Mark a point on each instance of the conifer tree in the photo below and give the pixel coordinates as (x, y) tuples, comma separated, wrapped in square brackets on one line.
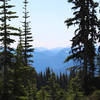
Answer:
[(29, 72), (83, 42), (27, 36), (24, 76), (6, 31), (20, 49), (98, 62), (19, 91), (42, 94), (48, 74), (75, 89), (40, 79)]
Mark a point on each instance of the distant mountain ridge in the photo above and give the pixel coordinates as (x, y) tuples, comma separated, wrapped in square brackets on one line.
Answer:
[(53, 58)]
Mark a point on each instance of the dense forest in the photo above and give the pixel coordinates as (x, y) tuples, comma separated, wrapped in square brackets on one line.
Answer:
[(19, 79)]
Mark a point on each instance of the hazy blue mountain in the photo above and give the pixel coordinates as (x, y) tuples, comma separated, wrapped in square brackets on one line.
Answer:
[(53, 58), (40, 49)]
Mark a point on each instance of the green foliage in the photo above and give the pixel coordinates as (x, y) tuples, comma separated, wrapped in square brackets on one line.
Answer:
[(21, 98), (42, 94), (75, 89), (54, 87), (49, 93), (1, 87), (27, 37), (69, 58), (83, 43), (6, 31), (98, 61), (95, 95)]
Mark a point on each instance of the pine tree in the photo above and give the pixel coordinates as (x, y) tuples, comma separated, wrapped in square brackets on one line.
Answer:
[(6, 31), (19, 91), (98, 62), (48, 74), (27, 37), (24, 76), (39, 80), (83, 42), (75, 89), (20, 49), (42, 94), (29, 84), (32, 85)]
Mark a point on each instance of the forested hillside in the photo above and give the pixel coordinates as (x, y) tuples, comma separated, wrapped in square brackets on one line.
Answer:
[(22, 72)]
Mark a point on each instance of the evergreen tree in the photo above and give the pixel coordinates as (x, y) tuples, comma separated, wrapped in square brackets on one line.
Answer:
[(42, 94), (29, 72), (6, 31), (27, 37), (24, 76), (20, 49), (98, 62), (64, 86), (1, 87), (48, 74), (83, 42), (32, 89), (19, 91), (75, 89), (40, 80)]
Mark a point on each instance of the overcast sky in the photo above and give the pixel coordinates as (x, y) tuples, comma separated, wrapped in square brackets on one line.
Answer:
[(47, 22)]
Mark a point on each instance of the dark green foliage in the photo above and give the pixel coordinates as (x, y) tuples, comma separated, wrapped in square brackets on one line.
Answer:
[(40, 80), (27, 37), (83, 43), (19, 91), (48, 74), (75, 89), (1, 87), (24, 77), (23, 55), (51, 87), (6, 31), (98, 62), (95, 95), (42, 94)]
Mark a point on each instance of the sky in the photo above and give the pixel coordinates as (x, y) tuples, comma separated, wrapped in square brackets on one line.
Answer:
[(47, 22)]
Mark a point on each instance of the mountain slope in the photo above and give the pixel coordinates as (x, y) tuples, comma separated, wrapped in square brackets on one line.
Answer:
[(53, 58)]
